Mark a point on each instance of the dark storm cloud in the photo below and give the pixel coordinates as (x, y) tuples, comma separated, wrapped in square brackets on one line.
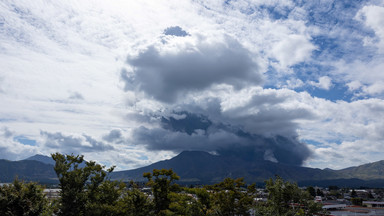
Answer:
[(72, 144), (197, 132), (188, 123), (261, 128), (167, 76), (163, 139), (269, 120), (175, 31)]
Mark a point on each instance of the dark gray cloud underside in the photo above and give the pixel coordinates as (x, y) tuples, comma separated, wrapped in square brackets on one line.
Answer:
[(197, 132), (113, 136), (166, 76)]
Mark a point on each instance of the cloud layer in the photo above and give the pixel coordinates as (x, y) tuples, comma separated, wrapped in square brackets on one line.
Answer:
[(169, 70), (128, 83), (197, 132)]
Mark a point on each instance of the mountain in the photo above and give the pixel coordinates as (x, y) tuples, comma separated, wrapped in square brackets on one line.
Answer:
[(42, 158), (28, 170), (202, 167), (49, 160), (366, 171), (38, 168)]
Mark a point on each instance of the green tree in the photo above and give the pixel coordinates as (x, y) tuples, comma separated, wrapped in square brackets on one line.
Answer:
[(182, 204), (85, 189), (286, 198), (229, 197), (24, 199), (319, 192), (202, 205), (135, 203), (103, 198), (162, 183), (311, 191)]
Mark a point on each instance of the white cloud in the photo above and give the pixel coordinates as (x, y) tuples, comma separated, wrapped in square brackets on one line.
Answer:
[(373, 17), (351, 131), (324, 82), (374, 89), (354, 85), (292, 49), (11, 149), (294, 83), (363, 77), (61, 63)]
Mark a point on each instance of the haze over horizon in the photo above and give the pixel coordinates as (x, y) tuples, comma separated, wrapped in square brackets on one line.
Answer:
[(129, 83)]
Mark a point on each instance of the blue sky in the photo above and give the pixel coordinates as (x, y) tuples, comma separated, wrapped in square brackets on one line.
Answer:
[(129, 83)]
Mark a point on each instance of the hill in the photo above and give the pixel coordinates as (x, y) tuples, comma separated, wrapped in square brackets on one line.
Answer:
[(42, 158), (366, 171), (197, 167), (202, 167), (28, 170)]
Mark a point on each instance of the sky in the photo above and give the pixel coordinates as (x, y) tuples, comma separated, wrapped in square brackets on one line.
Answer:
[(130, 83)]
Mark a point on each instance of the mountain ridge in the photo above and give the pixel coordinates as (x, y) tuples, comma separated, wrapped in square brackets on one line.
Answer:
[(41, 158), (207, 168), (198, 167), (28, 170)]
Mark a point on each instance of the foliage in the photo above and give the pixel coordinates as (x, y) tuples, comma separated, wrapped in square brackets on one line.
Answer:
[(202, 202), (334, 194), (286, 198), (162, 183), (229, 198), (182, 204), (135, 203), (103, 198), (319, 192), (85, 189), (333, 187), (311, 191), (21, 198)]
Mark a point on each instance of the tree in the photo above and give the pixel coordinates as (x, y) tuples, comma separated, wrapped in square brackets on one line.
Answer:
[(85, 189), (333, 187), (286, 198), (19, 198), (103, 198), (162, 183), (311, 191), (229, 198), (202, 205), (319, 192), (182, 204), (135, 203)]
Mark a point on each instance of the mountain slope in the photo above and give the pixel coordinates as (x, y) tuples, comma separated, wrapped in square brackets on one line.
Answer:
[(42, 158), (28, 170), (195, 166), (204, 168), (368, 171), (49, 160)]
